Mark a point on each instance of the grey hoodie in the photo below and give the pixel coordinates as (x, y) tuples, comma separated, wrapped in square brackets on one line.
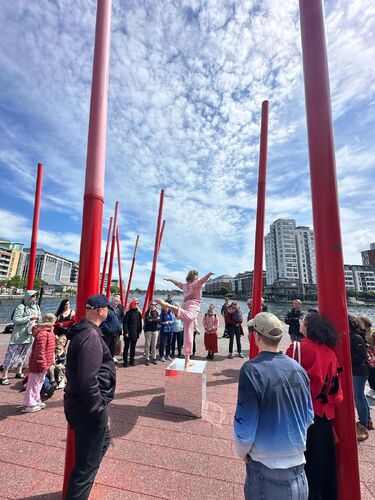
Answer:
[(21, 319)]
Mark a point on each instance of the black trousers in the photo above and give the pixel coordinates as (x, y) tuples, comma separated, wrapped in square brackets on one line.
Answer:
[(129, 343), (111, 340), (234, 331), (320, 457), (371, 378), (91, 442)]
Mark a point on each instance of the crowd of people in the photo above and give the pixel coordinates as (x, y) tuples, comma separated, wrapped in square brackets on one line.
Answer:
[(296, 393)]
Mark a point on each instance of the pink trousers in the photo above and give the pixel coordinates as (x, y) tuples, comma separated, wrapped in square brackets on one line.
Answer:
[(34, 385), (188, 312)]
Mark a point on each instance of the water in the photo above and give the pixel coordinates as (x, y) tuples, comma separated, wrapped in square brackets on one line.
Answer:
[(50, 304)]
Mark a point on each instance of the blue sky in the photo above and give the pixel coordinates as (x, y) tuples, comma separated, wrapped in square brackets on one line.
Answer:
[(187, 80)]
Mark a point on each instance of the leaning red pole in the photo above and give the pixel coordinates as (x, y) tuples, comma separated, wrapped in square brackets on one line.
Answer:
[(156, 246), (326, 217), (34, 234), (119, 266), (131, 273), (147, 297), (106, 255), (259, 232), (91, 237), (112, 254)]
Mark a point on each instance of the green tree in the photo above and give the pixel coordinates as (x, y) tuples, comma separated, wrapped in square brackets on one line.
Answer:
[(16, 282)]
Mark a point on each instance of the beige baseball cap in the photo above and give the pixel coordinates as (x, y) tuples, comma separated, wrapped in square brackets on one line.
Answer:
[(267, 325)]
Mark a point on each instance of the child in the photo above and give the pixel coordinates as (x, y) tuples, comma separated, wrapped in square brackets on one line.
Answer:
[(189, 310), (211, 325), (41, 358), (56, 372)]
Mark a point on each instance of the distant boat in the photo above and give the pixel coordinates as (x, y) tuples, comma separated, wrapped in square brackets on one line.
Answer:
[(230, 296)]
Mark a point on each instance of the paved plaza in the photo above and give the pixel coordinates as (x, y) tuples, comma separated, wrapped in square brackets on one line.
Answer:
[(153, 454)]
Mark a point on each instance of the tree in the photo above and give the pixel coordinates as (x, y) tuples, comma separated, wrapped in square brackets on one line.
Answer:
[(16, 282), (38, 283)]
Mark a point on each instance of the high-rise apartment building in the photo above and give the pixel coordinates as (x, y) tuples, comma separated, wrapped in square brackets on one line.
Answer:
[(305, 243), (290, 253)]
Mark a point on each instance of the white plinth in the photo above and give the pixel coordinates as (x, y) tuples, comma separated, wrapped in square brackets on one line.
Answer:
[(185, 390)]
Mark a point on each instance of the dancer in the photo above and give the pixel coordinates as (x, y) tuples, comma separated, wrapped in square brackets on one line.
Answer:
[(190, 308)]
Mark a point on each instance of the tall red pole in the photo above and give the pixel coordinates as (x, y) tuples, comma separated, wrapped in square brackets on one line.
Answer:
[(157, 246), (112, 254), (119, 266), (259, 232), (34, 234), (131, 273), (148, 297), (326, 217), (91, 237), (102, 281)]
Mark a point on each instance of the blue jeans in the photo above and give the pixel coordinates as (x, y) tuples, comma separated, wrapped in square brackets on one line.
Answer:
[(361, 403), (263, 483)]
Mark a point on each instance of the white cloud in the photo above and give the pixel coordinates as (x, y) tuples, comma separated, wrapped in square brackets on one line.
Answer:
[(186, 84)]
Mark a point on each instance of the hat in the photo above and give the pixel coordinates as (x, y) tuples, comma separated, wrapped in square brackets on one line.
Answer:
[(267, 325), (97, 301)]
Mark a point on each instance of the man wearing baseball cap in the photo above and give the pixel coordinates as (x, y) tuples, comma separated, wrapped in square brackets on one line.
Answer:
[(91, 382), (274, 410)]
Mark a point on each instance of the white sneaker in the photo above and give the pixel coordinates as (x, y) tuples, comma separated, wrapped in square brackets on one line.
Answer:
[(115, 360), (42, 405), (61, 385), (371, 394), (30, 409)]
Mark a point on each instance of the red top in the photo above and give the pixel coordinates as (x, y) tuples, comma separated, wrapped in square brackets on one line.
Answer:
[(322, 366), (42, 352)]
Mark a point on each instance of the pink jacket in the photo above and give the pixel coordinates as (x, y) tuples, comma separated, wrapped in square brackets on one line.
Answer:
[(192, 291), (210, 323)]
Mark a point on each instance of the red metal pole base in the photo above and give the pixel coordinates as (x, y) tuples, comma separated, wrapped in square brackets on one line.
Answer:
[(69, 458)]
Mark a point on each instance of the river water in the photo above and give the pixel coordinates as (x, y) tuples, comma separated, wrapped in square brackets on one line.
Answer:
[(50, 304)]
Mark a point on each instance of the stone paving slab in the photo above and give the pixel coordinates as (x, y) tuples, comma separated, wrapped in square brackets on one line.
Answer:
[(152, 454)]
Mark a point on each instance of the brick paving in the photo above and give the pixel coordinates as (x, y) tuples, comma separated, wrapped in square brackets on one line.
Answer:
[(153, 454)]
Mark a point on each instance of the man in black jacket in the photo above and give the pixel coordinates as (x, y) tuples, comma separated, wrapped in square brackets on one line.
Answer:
[(91, 377), (293, 318)]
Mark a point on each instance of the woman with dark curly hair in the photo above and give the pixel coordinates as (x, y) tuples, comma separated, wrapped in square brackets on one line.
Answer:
[(316, 353)]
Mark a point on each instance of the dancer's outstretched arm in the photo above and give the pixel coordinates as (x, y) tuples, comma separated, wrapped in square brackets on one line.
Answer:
[(203, 280), (177, 283)]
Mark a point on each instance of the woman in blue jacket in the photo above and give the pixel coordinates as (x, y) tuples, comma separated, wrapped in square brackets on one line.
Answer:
[(166, 333)]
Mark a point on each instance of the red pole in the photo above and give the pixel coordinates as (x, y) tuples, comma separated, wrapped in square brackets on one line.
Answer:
[(259, 232), (91, 237), (112, 254), (326, 218), (147, 297), (106, 255), (119, 266), (131, 273), (157, 246), (34, 234)]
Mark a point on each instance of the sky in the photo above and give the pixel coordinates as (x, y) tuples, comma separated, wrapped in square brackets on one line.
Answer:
[(187, 79)]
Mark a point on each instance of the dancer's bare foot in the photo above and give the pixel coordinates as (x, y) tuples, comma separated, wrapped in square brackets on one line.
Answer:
[(188, 362), (161, 302)]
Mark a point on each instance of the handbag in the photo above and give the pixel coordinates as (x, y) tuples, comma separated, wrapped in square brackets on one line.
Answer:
[(118, 348), (297, 349)]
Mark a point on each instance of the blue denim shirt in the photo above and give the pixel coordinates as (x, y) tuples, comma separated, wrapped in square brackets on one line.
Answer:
[(274, 410)]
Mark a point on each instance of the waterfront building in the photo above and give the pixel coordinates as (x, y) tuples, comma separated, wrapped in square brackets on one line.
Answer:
[(12, 258), (242, 284), (53, 269), (305, 244), (290, 255), (368, 256), (360, 278), (219, 284)]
